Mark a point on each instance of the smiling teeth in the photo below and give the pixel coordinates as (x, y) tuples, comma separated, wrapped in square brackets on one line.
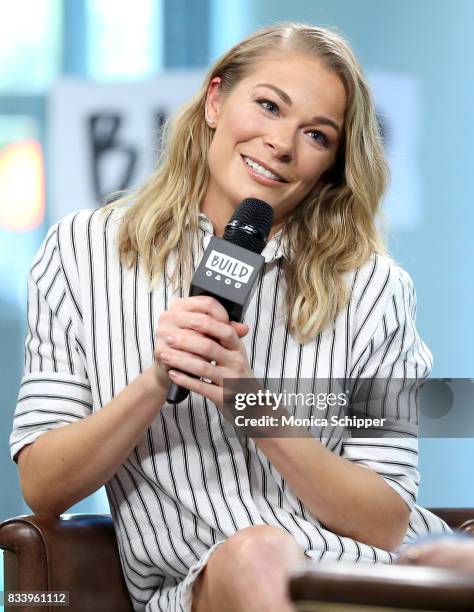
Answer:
[(260, 169)]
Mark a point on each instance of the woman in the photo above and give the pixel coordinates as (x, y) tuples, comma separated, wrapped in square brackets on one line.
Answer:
[(204, 519)]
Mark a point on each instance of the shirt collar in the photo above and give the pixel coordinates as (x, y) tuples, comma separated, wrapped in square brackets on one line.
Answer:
[(274, 249)]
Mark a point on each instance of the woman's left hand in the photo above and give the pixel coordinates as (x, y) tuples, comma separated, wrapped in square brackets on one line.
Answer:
[(214, 353), (448, 551)]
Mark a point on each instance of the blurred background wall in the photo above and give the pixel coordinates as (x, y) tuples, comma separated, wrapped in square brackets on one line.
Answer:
[(428, 42)]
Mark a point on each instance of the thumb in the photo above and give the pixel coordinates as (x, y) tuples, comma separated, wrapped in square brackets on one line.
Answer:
[(242, 329)]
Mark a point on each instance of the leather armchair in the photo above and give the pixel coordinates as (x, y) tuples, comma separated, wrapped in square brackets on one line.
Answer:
[(78, 553), (75, 552)]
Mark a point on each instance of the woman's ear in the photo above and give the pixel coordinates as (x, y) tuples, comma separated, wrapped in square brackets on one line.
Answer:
[(213, 102)]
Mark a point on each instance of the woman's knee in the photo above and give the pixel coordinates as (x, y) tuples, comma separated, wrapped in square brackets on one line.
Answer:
[(260, 543), (239, 563)]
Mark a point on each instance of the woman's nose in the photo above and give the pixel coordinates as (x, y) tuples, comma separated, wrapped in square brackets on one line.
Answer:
[(281, 142)]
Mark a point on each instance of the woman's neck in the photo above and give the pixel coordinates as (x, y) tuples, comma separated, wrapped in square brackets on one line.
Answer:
[(218, 216)]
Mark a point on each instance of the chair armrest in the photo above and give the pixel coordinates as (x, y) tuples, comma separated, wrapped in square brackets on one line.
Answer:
[(392, 586), (76, 553), (457, 518)]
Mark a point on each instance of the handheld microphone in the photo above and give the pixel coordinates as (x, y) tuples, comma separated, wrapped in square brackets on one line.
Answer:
[(231, 265)]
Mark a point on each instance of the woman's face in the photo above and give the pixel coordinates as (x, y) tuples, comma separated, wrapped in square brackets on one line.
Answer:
[(276, 133)]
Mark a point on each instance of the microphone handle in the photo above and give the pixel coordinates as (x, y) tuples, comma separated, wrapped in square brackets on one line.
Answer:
[(176, 394), (235, 311)]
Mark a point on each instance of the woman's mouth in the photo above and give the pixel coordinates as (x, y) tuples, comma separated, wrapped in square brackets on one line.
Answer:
[(260, 173)]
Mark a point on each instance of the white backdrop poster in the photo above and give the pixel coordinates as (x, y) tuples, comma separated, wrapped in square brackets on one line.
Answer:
[(104, 137)]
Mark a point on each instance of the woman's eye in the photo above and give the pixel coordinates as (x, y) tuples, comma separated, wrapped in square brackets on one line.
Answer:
[(319, 137), (268, 105)]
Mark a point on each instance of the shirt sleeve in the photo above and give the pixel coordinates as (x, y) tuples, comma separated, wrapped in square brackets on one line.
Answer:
[(391, 364), (54, 389)]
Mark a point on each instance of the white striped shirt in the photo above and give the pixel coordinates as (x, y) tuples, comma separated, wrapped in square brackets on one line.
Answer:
[(188, 485)]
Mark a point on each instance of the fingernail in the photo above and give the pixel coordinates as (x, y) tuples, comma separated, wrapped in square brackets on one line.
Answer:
[(164, 356), (170, 339)]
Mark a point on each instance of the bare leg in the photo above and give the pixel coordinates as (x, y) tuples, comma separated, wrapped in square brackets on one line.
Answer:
[(249, 573)]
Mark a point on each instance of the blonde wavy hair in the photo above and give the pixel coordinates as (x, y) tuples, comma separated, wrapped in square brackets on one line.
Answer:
[(330, 233)]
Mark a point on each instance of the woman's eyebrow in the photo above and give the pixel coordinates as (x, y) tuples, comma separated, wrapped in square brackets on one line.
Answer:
[(284, 96), (287, 100)]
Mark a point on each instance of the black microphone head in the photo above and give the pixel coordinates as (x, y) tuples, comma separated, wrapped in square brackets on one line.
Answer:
[(250, 225)]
